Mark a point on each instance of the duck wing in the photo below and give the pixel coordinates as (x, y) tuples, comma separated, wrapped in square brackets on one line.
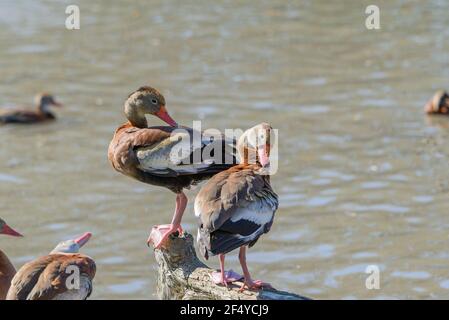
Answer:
[(185, 152), (234, 208), (47, 278), (19, 116)]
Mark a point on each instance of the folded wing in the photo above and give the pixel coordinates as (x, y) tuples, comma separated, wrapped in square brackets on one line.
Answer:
[(235, 207)]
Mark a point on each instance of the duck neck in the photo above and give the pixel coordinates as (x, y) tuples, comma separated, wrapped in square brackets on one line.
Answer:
[(247, 155), (139, 122), (136, 118), (7, 272), (44, 109)]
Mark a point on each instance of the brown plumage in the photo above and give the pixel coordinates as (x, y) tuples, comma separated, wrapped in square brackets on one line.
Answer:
[(55, 276), (128, 141), (45, 278), (7, 270), (237, 206), (439, 104), (23, 116), (223, 198), (146, 153)]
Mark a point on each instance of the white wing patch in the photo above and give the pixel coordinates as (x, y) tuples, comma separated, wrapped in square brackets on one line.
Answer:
[(255, 213), (171, 154)]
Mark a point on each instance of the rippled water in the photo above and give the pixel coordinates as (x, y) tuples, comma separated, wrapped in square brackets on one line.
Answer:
[(364, 175)]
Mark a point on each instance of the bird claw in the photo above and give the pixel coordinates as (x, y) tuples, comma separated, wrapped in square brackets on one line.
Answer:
[(228, 277), (159, 234), (256, 284)]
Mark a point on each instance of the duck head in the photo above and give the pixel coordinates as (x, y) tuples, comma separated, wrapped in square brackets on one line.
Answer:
[(72, 245), (44, 101), (255, 143), (146, 100), (5, 229), (439, 104)]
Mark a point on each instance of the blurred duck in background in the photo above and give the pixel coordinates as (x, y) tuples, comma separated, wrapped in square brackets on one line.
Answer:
[(439, 104), (64, 274), (7, 270), (146, 154), (237, 206), (42, 113)]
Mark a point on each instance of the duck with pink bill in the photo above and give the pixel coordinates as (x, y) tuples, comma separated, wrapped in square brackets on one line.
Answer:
[(7, 270), (237, 206), (145, 153), (63, 274)]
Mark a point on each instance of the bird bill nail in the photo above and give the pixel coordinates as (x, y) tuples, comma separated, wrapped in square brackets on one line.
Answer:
[(83, 239)]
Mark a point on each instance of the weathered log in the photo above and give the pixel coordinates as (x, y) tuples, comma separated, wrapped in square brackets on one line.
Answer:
[(182, 276)]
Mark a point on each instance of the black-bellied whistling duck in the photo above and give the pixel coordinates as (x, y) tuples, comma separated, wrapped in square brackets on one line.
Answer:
[(7, 270), (439, 104), (146, 154), (64, 274), (237, 206), (43, 103)]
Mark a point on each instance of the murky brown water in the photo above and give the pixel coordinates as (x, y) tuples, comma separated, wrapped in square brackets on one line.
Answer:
[(364, 175)]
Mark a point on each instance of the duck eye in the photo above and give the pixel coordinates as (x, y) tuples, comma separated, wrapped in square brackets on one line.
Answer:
[(153, 101)]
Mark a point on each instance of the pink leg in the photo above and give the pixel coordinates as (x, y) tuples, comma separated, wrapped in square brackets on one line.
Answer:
[(167, 230), (222, 270), (224, 277), (248, 282)]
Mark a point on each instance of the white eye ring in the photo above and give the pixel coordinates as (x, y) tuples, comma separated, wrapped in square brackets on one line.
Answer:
[(154, 101)]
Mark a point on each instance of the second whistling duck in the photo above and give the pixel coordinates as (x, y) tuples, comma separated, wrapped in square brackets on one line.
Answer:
[(439, 104), (43, 103), (7, 270), (146, 154), (64, 274), (237, 206)]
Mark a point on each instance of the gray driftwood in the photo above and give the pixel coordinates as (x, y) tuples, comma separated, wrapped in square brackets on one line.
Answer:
[(182, 276)]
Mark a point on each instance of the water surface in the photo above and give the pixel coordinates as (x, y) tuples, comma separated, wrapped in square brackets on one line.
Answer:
[(363, 176)]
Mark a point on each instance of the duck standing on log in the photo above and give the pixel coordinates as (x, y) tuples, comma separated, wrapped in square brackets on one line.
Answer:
[(7, 270), (43, 103), (64, 274), (439, 104), (237, 206), (146, 154)]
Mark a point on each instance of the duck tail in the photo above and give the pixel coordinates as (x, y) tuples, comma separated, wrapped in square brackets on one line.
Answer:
[(223, 242)]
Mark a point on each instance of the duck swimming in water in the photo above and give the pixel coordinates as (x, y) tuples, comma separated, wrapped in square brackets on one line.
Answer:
[(42, 113), (439, 104)]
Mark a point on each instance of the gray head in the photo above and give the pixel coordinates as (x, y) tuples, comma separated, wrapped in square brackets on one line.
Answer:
[(5, 229), (44, 100), (143, 101), (72, 245)]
